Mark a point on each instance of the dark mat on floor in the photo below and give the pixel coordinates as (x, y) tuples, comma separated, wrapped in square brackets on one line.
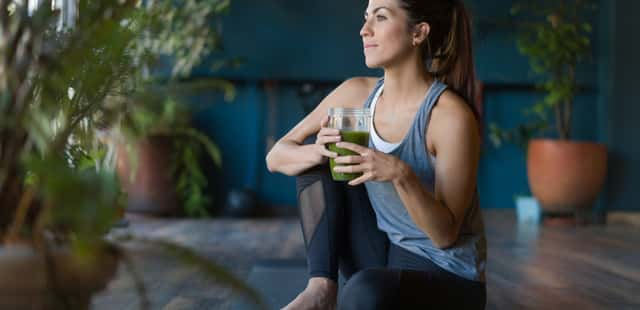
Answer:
[(277, 281)]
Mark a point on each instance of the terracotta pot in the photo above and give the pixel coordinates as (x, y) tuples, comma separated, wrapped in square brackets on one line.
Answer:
[(565, 176), (24, 283), (152, 189)]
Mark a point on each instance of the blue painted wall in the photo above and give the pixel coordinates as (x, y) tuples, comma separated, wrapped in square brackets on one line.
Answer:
[(620, 85), (283, 39), (317, 41)]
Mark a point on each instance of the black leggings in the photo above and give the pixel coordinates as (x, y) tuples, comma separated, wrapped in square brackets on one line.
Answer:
[(340, 233)]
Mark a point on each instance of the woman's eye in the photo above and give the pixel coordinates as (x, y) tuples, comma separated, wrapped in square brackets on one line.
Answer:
[(380, 17)]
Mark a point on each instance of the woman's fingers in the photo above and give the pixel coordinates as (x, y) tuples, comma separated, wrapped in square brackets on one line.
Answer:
[(324, 122), (327, 135), (328, 153), (359, 180), (349, 168), (352, 147), (327, 139), (329, 132), (349, 160), (324, 152)]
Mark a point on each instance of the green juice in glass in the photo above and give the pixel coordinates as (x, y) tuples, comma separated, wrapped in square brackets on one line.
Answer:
[(357, 137)]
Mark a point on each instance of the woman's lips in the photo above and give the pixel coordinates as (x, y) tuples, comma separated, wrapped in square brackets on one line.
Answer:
[(366, 46)]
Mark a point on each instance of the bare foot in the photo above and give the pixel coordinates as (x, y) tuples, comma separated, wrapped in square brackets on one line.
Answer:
[(320, 294)]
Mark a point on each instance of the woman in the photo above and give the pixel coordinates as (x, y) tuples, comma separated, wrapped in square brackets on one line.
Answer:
[(414, 237)]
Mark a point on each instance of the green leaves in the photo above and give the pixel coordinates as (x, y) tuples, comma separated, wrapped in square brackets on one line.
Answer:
[(555, 37), (51, 140), (104, 59), (83, 202), (519, 136), (191, 182), (183, 30)]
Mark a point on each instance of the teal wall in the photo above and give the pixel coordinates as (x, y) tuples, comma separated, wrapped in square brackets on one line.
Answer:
[(316, 42), (620, 87)]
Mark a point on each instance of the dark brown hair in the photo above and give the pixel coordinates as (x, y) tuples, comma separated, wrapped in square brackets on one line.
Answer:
[(447, 51)]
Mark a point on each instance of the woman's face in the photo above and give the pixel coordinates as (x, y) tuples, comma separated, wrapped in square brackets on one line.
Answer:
[(385, 36)]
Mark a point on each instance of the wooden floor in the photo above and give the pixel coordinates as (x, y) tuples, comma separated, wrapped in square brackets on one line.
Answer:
[(529, 267)]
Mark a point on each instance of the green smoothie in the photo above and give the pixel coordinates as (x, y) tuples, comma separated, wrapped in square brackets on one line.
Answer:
[(357, 137)]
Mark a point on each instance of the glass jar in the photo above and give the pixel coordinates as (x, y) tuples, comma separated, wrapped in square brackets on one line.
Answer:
[(354, 125)]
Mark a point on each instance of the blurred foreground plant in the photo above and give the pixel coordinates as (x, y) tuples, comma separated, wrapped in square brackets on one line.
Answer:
[(60, 89)]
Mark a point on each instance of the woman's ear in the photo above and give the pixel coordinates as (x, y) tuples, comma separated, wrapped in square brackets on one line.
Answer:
[(420, 33)]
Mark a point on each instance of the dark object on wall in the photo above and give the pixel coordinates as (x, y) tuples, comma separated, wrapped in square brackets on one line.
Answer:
[(241, 203)]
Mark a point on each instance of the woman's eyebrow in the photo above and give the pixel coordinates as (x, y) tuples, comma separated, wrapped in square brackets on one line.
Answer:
[(376, 10)]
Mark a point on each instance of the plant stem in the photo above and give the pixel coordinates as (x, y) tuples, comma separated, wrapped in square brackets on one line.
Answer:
[(20, 215), (4, 16), (567, 119), (9, 195), (559, 124), (61, 140), (568, 104)]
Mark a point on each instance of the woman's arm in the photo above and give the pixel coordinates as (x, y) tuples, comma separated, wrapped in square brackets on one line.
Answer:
[(289, 156), (453, 133)]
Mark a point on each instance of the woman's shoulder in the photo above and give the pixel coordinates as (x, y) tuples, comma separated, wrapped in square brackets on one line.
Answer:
[(354, 91), (366, 82), (452, 116), (452, 107)]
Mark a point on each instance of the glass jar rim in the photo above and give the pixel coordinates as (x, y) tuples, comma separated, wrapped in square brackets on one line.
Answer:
[(349, 111)]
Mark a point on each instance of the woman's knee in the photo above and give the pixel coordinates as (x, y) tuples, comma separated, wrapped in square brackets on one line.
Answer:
[(369, 289), (313, 175)]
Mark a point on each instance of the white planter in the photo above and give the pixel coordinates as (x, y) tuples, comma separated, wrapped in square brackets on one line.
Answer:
[(24, 283), (527, 210)]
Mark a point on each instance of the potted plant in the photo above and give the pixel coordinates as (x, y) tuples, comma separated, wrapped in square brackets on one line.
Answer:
[(164, 175), (564, 175), (58, 195)]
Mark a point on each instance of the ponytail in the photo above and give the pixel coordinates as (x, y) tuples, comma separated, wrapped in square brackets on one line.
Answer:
[(453, 63), (447, 51)]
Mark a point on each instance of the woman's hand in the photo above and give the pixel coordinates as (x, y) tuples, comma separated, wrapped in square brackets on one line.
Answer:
[(374, 165), (325, 135)]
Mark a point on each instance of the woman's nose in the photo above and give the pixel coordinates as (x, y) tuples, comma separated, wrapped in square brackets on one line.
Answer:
[(365, 30)]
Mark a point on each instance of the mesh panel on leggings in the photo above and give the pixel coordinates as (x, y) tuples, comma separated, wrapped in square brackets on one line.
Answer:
[(312, 207)]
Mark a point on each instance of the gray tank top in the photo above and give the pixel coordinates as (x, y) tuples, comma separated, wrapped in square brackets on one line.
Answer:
[(467, 257)]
